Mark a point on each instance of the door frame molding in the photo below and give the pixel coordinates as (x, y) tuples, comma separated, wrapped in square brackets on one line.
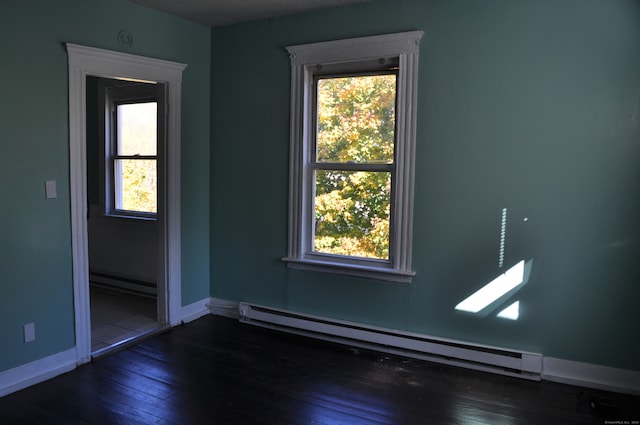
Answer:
[(89, 61)]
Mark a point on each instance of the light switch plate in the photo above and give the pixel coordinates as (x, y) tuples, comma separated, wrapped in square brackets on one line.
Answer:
[(29, 332), (50, 189)]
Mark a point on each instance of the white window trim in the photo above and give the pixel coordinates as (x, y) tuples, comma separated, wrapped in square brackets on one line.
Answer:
[(404, 46)]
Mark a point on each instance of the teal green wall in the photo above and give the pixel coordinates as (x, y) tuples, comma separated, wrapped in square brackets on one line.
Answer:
[(529, 105), (35, 249), (534, 106)]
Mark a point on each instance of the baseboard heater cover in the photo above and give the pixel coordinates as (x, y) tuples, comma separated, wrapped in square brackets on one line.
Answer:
[(123, 283), (485, 358)]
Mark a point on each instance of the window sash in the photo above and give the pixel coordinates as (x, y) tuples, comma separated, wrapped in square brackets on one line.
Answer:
[(351, 220), (118, 191), (119, 144), (367, 69), (361, 70)]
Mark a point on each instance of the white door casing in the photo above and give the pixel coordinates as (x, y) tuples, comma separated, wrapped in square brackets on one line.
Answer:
[(88, 61)]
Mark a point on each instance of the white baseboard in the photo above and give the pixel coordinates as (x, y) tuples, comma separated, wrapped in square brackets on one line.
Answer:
[(220, 307), (591, 376), (210, 305), (37, 371), (195, 310), (556, 370)]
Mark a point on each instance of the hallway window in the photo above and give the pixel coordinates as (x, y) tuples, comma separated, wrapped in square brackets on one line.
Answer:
[(132, 126), (135, 187)]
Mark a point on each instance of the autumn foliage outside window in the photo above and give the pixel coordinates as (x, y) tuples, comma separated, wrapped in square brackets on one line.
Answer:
[(354, 157)]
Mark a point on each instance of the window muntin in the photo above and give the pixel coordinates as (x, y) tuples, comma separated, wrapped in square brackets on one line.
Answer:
[(355, 126)]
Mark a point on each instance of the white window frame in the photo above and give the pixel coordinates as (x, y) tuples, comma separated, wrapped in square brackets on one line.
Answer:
[(305, 60), (117, 93)]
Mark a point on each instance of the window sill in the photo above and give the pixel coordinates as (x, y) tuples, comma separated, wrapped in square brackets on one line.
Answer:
[(130, 217), (379, 273), (127, 220)]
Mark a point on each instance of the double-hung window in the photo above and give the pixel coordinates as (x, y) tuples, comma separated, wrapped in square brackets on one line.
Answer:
[(131, 150), (353, 119)]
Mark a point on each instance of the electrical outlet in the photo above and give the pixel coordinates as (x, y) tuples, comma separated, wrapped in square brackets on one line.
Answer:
[(29, 332)]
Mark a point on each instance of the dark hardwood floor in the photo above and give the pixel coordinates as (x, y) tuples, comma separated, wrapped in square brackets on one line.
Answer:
[(218, 371)]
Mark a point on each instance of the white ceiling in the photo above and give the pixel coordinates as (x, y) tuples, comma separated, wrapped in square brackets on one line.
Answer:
[(222, 12)]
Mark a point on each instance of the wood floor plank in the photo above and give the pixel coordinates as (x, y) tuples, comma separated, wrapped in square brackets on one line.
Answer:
[(218, 371)]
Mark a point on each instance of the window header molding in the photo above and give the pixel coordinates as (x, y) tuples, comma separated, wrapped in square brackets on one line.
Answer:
[(359, 48)]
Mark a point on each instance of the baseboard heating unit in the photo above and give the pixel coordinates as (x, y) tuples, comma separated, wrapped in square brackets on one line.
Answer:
[(123, 283), (456, 353)]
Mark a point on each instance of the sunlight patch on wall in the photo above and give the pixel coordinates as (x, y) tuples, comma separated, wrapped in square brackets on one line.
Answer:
[(512, 312), (492, 291)]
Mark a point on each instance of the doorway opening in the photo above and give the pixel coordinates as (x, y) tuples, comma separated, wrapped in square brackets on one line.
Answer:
[(87, 62), (125, 142)]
